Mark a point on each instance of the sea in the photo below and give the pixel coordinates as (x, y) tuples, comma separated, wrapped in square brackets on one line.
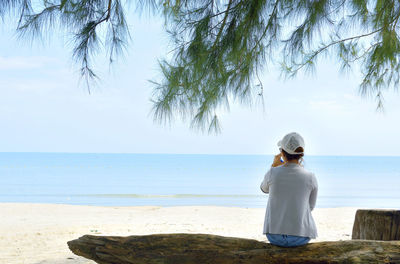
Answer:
[(186, 180)]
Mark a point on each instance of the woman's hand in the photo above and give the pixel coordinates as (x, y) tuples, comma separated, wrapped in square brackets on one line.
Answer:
[(277, 161)]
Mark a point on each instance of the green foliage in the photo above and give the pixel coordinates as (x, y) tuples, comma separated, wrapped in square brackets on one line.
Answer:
[(220, 47)]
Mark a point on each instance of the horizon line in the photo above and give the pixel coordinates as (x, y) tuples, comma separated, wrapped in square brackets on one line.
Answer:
[(202, 154)]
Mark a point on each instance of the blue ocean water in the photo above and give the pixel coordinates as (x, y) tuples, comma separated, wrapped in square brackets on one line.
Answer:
[(173, 180)]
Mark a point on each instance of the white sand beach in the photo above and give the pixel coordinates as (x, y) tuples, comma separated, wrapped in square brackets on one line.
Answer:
[(38, 233)]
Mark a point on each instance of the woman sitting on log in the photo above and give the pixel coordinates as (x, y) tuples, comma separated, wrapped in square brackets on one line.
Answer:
[(292, 196)]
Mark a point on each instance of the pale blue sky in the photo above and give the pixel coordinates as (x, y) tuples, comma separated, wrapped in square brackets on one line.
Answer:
[(43, 109)]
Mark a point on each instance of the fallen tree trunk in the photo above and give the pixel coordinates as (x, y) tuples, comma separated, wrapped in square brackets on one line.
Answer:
[(203, 248), (377, 225)]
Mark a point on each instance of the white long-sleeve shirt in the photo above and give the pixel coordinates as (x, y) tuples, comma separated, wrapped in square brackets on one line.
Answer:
[(292, 196)]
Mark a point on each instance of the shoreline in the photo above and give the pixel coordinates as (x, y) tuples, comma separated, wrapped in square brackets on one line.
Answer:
[(36, 233), (179, 206), (171, 206)]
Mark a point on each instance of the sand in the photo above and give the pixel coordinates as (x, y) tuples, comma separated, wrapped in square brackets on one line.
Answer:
[(38, 233)]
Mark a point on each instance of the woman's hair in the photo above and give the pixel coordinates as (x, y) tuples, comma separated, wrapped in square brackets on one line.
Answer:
[(298, 157)]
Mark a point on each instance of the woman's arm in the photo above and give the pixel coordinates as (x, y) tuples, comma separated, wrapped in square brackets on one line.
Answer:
[(314, 193), (265, 183), (267, 178)]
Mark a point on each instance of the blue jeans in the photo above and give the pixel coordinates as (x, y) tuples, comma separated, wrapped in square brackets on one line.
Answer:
[(287, 240)]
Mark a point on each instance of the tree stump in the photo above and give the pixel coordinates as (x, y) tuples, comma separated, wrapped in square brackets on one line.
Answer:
[(212, 249), (377, 225)]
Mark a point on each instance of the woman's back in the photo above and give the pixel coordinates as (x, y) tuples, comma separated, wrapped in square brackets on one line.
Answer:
[(292, 196)]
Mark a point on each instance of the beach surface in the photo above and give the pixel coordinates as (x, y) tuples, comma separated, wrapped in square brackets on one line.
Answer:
[(38, 233)]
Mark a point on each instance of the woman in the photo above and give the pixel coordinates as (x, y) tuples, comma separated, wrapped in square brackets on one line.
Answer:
[(292, 196)]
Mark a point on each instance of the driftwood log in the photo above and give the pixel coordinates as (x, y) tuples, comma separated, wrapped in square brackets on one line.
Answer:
[(377, 225), (212, 249)]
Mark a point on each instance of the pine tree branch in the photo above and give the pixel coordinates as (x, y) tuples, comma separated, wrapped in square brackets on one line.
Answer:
[(107, 17), (222, 26), (273, 14), (331, 44)]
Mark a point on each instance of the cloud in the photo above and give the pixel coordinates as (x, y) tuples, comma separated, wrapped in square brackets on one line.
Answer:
[(335, 103), (327, 106), (25, 63)]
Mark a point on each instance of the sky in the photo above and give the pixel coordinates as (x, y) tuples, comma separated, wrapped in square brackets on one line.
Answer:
[(44, 107)]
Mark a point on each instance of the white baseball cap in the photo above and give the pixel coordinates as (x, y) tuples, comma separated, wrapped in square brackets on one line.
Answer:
[(291, 142)]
